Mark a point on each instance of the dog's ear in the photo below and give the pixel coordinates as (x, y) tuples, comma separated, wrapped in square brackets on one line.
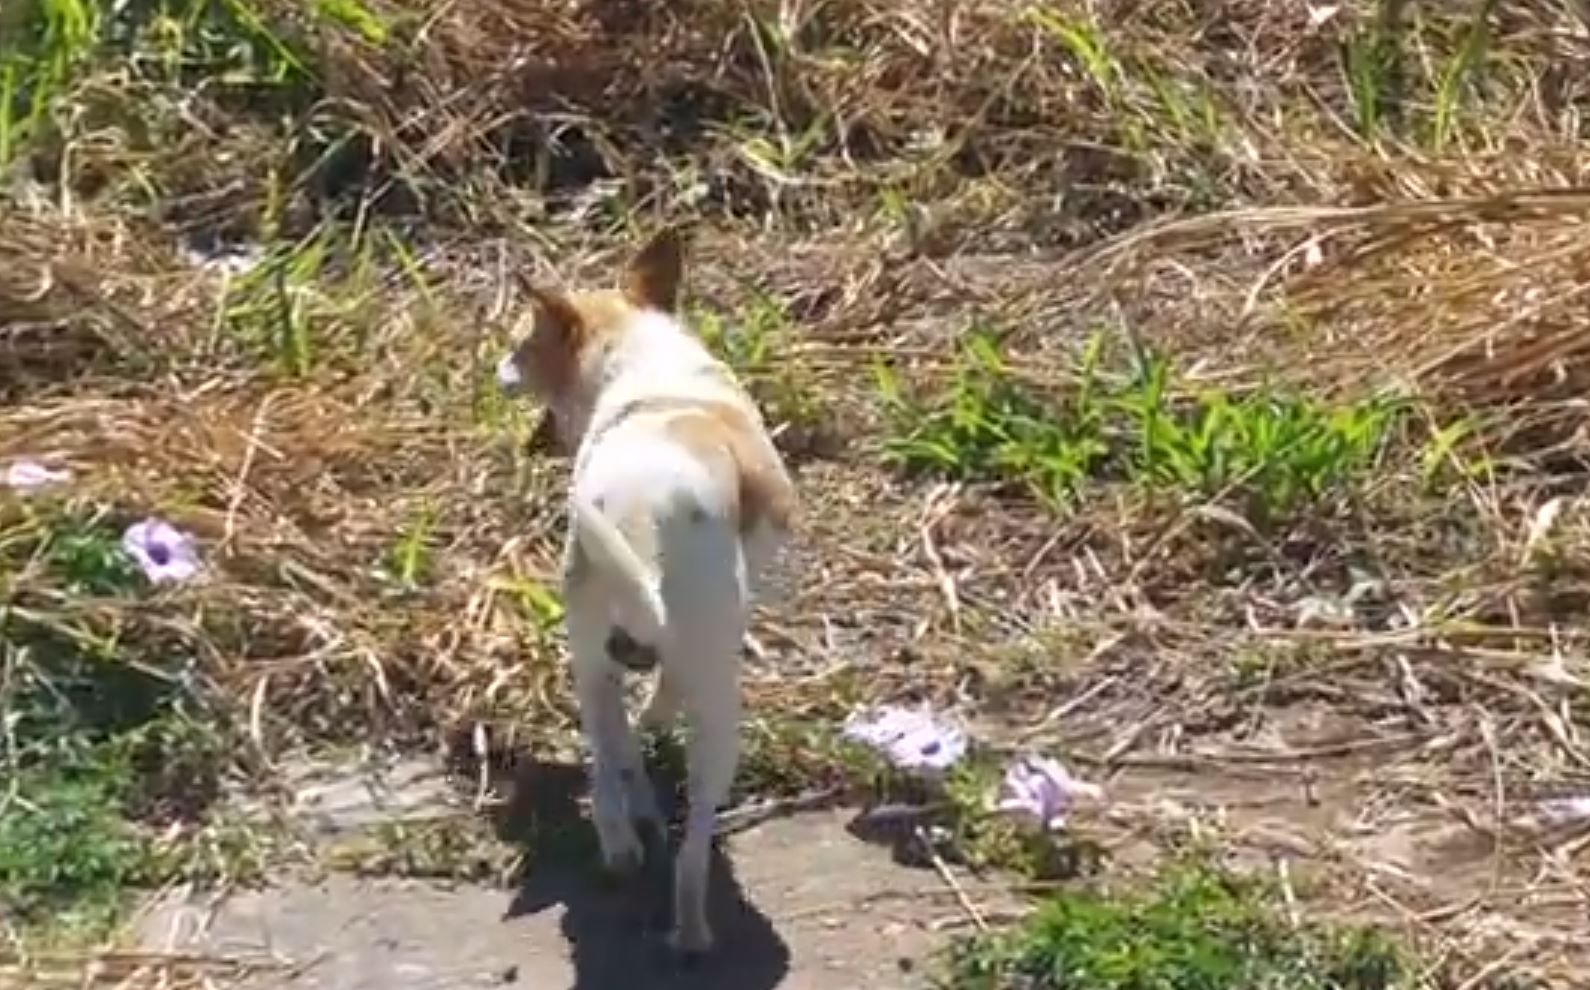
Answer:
[(652, 281), (554, 313), (548, 357)]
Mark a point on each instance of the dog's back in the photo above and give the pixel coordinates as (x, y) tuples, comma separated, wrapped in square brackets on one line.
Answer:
[(681, 502)]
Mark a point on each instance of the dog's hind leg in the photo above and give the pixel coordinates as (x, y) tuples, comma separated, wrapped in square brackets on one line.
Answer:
[(618, 794), (713, 707)]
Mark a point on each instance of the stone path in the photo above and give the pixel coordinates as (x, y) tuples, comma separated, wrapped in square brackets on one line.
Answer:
[(809, 907)]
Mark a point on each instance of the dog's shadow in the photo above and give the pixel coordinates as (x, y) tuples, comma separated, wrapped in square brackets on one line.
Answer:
[(617, 931)]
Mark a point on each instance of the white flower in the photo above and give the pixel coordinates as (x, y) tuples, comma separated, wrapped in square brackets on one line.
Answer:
[(1043, 791), (232, 260), (911, 739), (508, 374), (31, 476), (163, 552), (1564, 811)]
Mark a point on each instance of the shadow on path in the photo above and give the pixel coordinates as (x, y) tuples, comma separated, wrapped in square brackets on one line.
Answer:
[(617, 931)]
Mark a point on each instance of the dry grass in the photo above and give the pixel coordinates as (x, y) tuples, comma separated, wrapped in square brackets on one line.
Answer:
[(889, 174), (133, 970)]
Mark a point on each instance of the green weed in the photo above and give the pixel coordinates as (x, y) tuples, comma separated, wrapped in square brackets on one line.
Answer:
[(539, 607), (70, 693), (357, 16), (1373, 64), (1447, 454), (76, 829), (1189, 106), (971, 832), (230, 44), (1277, 449), (782, 157), (1197, 928), (988, 426), (1086, 44), (448, 849), (1282, 449), (1463, 67), (90, 561), (304, 305), (46, 41), (409, 562), (67, 854), (952, 816), (1155, 106), (786, 757)]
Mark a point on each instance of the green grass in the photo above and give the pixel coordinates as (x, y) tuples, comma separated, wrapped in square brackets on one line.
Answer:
[(1195, 928), (67, 853), (450, 848), (107, 742), (1465, 66), (51, 44), (1277, 450), (84, 825), (410, 561)]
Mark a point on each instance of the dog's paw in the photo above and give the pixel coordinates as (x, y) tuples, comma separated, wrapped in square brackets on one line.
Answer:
[(690, 944), (624, 864), (623, 854)]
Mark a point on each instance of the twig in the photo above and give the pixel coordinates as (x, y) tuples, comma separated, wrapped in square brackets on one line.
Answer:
[(251, 444), (943, 869), (749, 816)]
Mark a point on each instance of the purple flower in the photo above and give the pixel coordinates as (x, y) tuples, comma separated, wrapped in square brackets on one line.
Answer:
[(911, 739), (162, 551), (31, 476), (1043, 791)]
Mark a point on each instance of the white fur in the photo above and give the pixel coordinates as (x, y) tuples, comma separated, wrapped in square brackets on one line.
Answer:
[(664, 560)]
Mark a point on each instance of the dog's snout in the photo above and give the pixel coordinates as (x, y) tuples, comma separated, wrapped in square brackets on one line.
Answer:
[(509, 377)]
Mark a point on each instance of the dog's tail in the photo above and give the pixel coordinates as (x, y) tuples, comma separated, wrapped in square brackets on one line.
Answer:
[(600, 537)]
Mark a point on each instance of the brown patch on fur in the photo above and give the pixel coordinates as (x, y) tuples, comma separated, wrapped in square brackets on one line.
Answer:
[(570, 333), (726, 440)]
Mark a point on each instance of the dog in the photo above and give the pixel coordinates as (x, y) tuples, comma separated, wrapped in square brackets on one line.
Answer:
[(678, 504)]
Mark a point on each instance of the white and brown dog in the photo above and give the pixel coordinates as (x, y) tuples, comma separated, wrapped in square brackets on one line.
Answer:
[(678, 503)]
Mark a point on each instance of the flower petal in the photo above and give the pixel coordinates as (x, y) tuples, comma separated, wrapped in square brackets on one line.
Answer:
[(1562, 811), (1041, 789), (911, 739), (163, 552), (30, 476)]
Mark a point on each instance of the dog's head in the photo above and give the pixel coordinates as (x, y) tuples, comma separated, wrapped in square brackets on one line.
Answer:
[(560, 360)]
